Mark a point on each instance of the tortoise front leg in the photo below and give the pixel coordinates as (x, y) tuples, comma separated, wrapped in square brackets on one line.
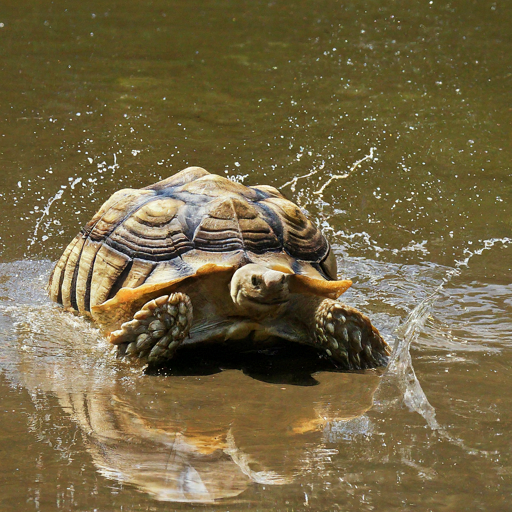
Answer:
[(156, 330), (349, 337)]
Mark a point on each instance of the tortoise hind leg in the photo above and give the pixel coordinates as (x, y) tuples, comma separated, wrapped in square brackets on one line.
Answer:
[(156, 330), (349, 337)]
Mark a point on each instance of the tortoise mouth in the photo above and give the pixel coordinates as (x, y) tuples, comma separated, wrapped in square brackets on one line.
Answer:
[(270, 302)]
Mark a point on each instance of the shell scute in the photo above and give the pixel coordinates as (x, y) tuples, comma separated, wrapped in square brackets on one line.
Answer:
[(233, 223), (114, 211), (108, 266), (301, 238), (70, 274), (139, 271), (156, 213), (84, 276), (57, 277), (152, 232)]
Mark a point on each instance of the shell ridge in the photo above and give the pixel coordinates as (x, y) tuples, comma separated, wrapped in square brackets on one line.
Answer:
[(89, 228), (70, 272), (57, 276), (273, 221), (219, 230), (87, 297), (118, 283), (108, 266), (301, 238), (84, 264), (237, 220), (151, 253), (126, 240), (130, 212), (235, 223), (140, 269)]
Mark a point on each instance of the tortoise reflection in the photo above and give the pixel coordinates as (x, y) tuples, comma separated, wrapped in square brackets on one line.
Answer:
[(193, 433)]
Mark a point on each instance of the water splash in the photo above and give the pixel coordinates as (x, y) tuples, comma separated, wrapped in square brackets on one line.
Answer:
[(45, 213), (401, 368), (293, 182), (354, 166), (487, 245), (401, 375)]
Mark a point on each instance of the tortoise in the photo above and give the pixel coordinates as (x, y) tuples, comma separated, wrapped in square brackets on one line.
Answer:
[(199, 258)]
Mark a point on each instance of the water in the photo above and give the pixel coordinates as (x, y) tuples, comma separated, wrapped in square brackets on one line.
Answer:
[(389, 124)]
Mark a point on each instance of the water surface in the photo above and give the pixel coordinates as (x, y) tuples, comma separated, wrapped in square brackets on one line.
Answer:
[(391, 125)]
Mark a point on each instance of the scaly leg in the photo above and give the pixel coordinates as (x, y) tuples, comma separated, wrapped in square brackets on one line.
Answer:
[(156, 330), (349, 337)]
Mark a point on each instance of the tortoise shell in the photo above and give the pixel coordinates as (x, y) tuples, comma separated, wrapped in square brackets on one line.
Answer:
[(176, 228)]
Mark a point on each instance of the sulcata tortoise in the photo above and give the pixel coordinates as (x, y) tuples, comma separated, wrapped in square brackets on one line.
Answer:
[(197, 258)]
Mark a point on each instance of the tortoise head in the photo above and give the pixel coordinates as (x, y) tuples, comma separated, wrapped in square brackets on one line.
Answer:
[(259, 290)]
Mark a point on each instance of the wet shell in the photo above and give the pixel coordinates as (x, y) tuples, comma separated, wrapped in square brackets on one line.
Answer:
[(169, 230)]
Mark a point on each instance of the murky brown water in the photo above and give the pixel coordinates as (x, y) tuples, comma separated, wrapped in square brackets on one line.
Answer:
[(104, 95)]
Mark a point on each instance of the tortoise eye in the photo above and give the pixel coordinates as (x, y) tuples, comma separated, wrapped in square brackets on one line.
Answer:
[(255, 281)]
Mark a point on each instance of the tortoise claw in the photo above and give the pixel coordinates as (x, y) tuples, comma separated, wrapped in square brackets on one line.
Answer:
[(156, 330), (349, 337)]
